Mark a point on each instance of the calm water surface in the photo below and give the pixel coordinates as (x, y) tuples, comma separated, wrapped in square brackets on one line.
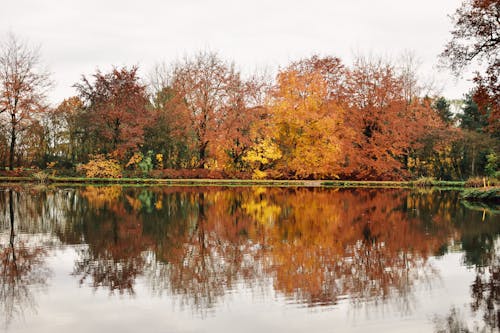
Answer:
[(195, 259)]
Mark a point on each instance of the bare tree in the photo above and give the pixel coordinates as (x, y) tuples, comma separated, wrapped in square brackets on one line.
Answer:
[(23, 87)]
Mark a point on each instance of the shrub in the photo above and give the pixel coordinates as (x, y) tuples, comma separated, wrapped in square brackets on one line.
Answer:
[(101, 167), (424, 181), (491, 164), (41, 177), (142, 162)]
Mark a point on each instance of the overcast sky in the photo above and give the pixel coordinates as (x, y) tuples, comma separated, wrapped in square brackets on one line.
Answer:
[(77, 37)]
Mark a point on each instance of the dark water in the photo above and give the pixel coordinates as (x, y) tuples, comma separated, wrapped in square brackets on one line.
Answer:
[(194, 259)]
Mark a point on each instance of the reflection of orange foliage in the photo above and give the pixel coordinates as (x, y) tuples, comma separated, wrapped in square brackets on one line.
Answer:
[(317, 244), (355, 242), (314, 244), (99, 197)]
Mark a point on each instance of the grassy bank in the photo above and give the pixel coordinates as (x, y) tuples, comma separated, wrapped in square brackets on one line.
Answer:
[(482, 194), (232, 182), (392, 184)]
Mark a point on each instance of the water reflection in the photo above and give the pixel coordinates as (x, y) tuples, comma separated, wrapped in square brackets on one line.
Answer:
[(22, 269), (485, 292), (315, 247)]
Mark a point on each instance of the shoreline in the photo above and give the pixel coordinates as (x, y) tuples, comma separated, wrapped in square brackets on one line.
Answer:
[(234, 182)]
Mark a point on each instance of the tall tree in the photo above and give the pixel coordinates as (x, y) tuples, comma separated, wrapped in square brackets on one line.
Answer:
[(118, 106), (69, 136), (23, 87), (170, 132), (442, 107), (386, 121), (306, 121), (476, 37), (472, 118), (214, 94)]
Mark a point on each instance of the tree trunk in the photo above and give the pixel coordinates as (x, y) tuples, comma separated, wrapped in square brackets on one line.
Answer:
[(203, 154), (12, 144), (473, 161)]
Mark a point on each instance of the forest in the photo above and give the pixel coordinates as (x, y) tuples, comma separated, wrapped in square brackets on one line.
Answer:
[(201, 117)]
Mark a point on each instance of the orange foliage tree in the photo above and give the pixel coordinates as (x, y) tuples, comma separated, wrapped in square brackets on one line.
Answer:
[(305, 124), (217, 99), (385, 122)]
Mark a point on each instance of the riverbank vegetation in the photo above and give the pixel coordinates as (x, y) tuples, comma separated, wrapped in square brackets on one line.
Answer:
[(200, 117), (320, 119)]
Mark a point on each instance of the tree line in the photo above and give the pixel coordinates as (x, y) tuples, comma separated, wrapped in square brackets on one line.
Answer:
[(318, 118)]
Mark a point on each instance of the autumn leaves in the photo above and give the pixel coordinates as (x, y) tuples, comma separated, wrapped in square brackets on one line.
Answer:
[(319, 119)]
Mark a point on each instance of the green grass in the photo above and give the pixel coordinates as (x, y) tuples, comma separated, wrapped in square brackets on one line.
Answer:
[(237, 182)]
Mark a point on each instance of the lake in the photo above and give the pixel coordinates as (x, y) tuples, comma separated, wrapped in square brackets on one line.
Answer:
[(246, 259)]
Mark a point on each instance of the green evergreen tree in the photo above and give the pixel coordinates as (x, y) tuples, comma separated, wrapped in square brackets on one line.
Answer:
[(442, 106), (472, 118)]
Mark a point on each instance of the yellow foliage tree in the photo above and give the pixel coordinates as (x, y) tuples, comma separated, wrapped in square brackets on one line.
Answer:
[(261, 156), (306, 125)]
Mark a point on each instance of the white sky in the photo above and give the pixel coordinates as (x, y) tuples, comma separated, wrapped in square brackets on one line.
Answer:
[(79, 36)]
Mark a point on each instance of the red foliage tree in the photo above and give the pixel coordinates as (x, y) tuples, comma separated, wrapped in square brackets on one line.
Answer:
[(118, 105)]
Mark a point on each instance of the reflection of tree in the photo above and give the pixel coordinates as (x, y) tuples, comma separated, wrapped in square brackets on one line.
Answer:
[(22, 269), (454, 322), (485, 292), (203, 253), (479, 241), (313, 246), (355, 243), (113, 257)]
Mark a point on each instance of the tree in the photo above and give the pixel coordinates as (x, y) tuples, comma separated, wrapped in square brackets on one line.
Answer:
[(476, 37), (442, 106), (215, 96), (305, 121), (487, 96), (170, 132), (70, 137), (23, 87), (116, 106), (386, 121), (472, 118)]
